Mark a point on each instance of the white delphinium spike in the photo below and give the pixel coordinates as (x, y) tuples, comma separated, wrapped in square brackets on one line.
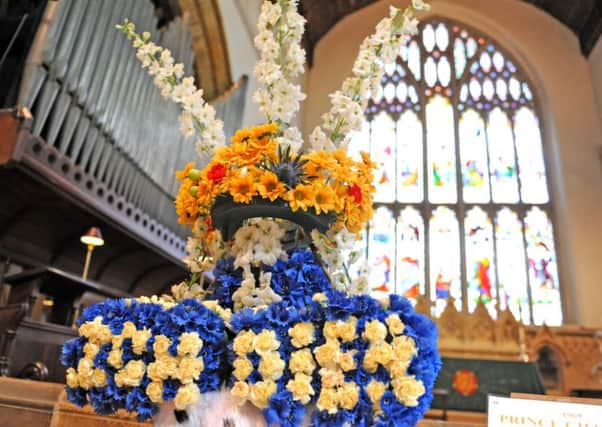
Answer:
[(349, 103), (198, 117), (281, 59)]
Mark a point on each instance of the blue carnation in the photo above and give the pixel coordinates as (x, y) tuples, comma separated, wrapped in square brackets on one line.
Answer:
[(283, 410), (102, 401), (170, 389), (76, 395), (72, 351), (208, 381)]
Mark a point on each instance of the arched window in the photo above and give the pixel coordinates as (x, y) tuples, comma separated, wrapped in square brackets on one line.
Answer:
[(462, 201)]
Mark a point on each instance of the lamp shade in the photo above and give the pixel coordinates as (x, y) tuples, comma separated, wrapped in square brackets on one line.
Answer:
[(93, 237)]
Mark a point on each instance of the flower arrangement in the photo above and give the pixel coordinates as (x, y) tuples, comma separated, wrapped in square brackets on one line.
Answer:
[(287, 329), (267, 162), (358, 360), (256, 166), (136, 354)]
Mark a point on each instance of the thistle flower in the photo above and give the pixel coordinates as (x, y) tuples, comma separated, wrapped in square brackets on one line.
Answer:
[(288, 168)]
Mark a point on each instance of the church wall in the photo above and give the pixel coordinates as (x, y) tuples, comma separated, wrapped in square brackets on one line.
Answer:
[(549, 54), (238, 18), (595, 63)]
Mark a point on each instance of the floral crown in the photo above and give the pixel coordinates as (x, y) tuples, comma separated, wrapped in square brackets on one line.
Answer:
[(284, 328), (317, 183)]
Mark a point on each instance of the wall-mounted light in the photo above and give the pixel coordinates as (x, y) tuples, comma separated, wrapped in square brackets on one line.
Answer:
[(91, 239)]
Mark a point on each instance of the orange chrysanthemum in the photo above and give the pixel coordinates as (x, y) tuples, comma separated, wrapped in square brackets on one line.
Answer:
[(187, 206), (300, 197), (243, 188), (270, 187), (334, 181), (324, 199)]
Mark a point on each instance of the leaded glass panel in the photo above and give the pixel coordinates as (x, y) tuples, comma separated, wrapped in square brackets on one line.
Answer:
[(461, 182)]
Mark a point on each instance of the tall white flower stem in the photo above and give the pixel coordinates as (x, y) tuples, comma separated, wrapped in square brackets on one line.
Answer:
[(198, 117), (348, 103), (281, 59)]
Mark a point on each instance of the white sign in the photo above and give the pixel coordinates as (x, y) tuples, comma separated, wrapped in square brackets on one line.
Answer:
[(507, 412)]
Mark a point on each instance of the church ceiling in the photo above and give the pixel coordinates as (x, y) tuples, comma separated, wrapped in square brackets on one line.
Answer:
[(583, 17)]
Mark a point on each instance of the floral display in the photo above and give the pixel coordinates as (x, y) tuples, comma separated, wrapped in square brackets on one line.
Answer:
[(135, 354), (272, 310), (256, 166)]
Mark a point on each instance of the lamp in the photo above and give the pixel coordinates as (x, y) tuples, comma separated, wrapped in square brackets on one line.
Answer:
[(92, 239)]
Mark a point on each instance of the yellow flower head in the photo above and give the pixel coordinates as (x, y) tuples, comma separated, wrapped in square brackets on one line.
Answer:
[(189, 369), (139, 339), (161, 345), (128, 330), (154, 391), (346, 330), (375, 390), (99, 378), (187, 395), (396, 326), (327, 354), (133, 373), (300, 197), (398, 368), (243, 188), (190, 344), (90, 350), (270, 187), (348, 395), (302, 334), (408, 389), (302, 361), (301, 388), (330, 330), (242, 368), (265, 342), (271, 366), (156, 371), (260, 393), (115, 358), (331, 377), (240, 392), (71, 378), (404, 348), (187, 205), (347, 361), (85, 367), (375, 331), (383, 352), (328, 400), (324, 199), (243, 343)]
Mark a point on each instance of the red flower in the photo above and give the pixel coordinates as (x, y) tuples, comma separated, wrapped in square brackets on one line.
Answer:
[(217, 172), (356, 192)]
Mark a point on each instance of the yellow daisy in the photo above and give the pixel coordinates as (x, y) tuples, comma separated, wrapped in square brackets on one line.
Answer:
[(300, 197), (270, 187), (324, 199), (243, 188)]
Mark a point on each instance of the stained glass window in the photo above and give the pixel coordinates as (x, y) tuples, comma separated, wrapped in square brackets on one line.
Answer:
[(410, 253), (444, 254), (409, 158), (381, 251), (480, 265), (462, 199), (543, 274)]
